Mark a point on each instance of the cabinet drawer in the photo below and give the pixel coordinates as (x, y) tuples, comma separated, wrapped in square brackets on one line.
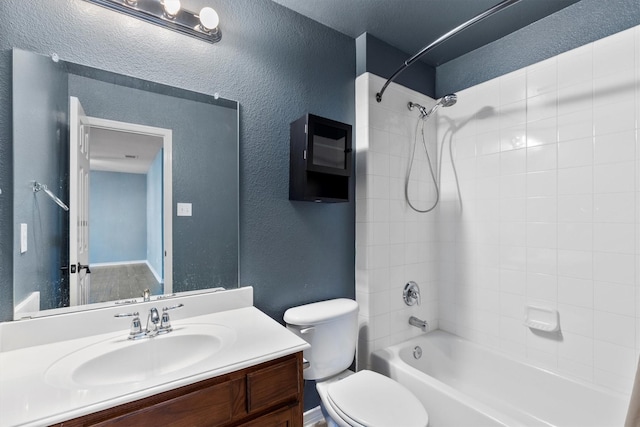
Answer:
[(207, 407), (273, 385), (283, 418)]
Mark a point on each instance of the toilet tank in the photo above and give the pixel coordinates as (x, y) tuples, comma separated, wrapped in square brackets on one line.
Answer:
[(331, 328)]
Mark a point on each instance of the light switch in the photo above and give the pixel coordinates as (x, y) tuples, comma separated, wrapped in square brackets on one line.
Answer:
[(184, 209), (23, 238)]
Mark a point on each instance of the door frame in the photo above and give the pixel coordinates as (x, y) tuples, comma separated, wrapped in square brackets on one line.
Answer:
[(167, 184)]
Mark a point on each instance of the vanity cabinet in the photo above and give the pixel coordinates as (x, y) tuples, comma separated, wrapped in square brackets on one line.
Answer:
[(269, 394)]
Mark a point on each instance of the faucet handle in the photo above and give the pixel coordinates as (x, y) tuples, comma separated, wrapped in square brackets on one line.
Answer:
[(136, 328), (411, 293), (135, 313), (173, 307), (135, 331), (165, 325)]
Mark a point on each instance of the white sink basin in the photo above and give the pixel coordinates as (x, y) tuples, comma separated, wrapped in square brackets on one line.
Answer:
[(119, 361)]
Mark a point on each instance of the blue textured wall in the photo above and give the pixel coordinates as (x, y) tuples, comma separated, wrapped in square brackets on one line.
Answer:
[(574, 26), (42, 156), (117, 217), (277, 65), (377, 57)]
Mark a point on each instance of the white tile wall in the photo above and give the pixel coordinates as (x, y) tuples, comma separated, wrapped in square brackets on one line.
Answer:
[(548, 161), (551, 211), (393, 244)]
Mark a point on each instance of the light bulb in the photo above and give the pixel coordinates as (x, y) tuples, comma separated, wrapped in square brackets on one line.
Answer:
[(171, 7), (209, 19)]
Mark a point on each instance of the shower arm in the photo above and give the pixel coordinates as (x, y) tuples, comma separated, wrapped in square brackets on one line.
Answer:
[(502, 5)]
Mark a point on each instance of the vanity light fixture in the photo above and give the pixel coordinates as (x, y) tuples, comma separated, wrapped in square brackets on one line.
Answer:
[(208, 19), (171, 15), (171, 8)]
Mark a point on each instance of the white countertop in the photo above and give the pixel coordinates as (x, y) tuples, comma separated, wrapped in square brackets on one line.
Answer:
[(28, 397)]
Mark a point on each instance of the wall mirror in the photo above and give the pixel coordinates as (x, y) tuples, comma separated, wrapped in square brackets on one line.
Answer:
[(120, 185)]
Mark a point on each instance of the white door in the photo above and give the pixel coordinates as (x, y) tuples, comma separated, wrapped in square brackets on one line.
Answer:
[(79, 276)]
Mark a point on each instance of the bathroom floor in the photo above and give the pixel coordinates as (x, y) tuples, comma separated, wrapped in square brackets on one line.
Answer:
[(117, 282)]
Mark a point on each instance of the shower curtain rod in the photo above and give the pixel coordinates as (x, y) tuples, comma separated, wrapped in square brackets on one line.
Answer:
[(502, 5)]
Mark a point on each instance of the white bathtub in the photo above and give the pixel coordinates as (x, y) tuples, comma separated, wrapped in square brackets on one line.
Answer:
[(463, 384)]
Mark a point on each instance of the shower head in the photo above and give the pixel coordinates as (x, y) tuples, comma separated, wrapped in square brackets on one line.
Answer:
[(448, 100), (445, 101)]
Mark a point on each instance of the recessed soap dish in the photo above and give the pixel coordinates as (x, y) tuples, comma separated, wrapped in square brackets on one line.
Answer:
[(541, 318)]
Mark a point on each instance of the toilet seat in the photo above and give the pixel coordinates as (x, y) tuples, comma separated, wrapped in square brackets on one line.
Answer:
[(344, 417), (370, 399)]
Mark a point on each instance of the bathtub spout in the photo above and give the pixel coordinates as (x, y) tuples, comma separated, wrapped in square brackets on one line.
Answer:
[(422, 324)]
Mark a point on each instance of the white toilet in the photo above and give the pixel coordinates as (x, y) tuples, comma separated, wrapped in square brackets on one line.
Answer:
[(349, 399)]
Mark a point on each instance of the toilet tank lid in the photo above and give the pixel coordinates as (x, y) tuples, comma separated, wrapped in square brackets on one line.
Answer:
[(319, 312)]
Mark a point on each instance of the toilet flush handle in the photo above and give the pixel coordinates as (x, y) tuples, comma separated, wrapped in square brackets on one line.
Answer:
[(303, 331)]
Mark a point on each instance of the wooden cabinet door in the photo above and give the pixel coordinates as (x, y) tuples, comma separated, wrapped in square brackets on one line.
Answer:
[(273, 385), (283, 418)]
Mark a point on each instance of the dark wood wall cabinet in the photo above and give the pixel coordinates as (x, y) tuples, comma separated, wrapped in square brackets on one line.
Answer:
[(269, 394), (320, 160)]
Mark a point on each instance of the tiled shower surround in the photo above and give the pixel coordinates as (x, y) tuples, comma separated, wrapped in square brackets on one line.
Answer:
[(393, 243), (549, 173)]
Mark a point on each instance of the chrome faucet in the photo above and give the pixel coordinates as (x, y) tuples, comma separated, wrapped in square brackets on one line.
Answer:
[(156, 325), (152, 322), (422, 324)]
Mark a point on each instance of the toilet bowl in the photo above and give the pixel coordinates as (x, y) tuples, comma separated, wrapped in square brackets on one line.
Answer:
[(349, 399)]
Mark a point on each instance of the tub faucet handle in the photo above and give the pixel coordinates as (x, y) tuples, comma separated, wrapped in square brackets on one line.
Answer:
[(411, 293)]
